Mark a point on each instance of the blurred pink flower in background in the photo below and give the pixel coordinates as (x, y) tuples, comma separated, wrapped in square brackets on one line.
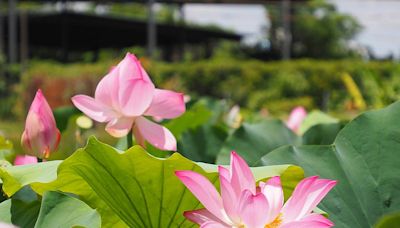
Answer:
[(41, 136), (122, 99), (6, 225), (296, 117), (242, 204), (25, 160)]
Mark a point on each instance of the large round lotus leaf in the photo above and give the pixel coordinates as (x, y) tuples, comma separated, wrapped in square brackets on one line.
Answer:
[(321, 134)]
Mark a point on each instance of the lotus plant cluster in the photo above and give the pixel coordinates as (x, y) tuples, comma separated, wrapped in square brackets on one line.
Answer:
[(125, 99)]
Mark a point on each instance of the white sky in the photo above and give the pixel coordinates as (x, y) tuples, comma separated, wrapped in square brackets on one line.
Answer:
[(381, 22), (244, 19), (380, 19)]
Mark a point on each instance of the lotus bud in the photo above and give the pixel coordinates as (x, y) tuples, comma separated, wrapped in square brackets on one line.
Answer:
[(41, 136)]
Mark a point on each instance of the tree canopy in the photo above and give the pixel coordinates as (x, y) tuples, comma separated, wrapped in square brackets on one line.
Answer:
[(318, 30)]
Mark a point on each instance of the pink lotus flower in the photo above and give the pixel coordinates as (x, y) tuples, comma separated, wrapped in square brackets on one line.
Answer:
[(41, 136), (242, 204), (25, 160), (127, 94), (296, 117)]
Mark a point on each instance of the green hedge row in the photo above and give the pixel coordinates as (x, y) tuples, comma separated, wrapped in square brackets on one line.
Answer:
[(277, 86)]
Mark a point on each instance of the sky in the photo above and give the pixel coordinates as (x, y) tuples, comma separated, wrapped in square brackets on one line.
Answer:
[(248, 20), (245, 19), (381, 22), (379, 18)]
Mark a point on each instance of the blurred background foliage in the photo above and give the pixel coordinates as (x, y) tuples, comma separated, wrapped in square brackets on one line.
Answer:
[(255, 85), (236, 72)]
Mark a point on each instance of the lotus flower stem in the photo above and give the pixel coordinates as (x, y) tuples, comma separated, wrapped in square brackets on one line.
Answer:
[(129, 142)]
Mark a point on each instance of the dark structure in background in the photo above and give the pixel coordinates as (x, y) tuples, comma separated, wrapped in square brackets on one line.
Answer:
[(82, 32), (65, 32)]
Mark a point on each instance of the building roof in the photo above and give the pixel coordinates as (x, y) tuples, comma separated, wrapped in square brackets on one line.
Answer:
[(82, 32)]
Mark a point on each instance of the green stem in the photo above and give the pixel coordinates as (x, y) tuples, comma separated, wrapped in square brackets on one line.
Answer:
[(129, 141)]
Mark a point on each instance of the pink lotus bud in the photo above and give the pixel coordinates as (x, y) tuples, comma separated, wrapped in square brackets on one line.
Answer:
[(25, 160), (41, 136), (296, 118)]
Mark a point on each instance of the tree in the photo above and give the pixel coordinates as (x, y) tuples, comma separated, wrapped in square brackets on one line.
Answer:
[(318, 30)]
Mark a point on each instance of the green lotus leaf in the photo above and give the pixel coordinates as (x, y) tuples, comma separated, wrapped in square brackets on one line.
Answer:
[(64, 211)]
